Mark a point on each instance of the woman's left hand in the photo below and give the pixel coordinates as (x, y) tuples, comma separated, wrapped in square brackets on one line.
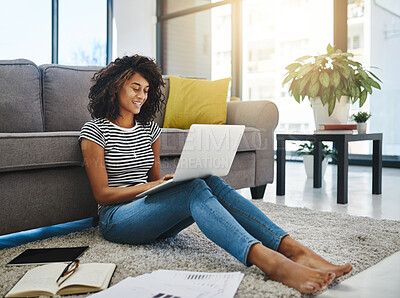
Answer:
[(168, 176)]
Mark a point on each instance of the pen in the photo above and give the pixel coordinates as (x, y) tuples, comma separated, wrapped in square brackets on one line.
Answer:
[(69, 269)]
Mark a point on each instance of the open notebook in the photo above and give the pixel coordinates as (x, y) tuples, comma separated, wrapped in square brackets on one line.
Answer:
[(208, 150)]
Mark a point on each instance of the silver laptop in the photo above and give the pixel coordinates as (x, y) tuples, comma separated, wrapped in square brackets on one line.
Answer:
[(208, 150)]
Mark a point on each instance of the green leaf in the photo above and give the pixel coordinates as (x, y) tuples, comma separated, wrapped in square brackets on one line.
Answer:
[(361, 117), (346, 72), (348, 54), (362, 73), (296, 97), (353, 91), (370, 72), (354, 63), (321, 61), (294, 88), (373, 83), (313, 89), (324, 79), (290, 76), (331, 105), (363, 97), (303, 58), (366, 85), (338, 94), (358, 92), (335, 78), (293, 66), (304, 69), (325, 94), (314, 77), (304, 82), (330, 49)]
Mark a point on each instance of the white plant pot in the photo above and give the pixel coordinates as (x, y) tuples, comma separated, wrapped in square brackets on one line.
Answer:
[(340, 114), (308, 161), (362, 128)]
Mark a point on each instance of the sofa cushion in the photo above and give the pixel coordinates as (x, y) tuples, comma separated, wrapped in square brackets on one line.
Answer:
[(65, 96), (173, 139), (22, 151), (196, 101), (20, 96)]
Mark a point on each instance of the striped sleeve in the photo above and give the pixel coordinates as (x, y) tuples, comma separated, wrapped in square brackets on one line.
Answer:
[(155, 131), (92, 132)]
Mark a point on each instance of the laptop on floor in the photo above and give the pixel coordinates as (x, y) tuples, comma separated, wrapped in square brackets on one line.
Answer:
[(208, 150)]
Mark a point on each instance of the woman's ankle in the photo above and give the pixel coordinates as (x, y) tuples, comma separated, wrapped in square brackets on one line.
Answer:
[(264, 258), (290, 248)]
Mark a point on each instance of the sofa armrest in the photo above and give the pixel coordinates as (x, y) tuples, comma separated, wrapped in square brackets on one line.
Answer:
[(262, 115)]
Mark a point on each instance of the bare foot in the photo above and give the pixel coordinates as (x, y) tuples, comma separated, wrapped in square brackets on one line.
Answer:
[(279, 268), (312, 260), (305, 256)]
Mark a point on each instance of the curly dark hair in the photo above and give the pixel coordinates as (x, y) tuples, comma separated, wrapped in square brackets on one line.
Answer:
[(109, 80)]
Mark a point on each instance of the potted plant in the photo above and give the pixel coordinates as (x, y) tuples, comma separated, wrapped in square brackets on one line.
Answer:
[(330, 81), (307, 151), (361, 119)]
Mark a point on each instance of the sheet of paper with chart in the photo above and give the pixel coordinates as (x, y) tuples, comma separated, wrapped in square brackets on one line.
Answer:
[(177, 284)]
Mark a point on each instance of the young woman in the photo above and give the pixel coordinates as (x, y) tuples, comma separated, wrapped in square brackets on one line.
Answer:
[(121, 147)]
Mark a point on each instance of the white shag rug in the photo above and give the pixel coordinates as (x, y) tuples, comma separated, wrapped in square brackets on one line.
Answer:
[(337, 237)]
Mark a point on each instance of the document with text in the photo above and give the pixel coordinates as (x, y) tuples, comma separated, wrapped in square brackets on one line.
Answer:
[(176, 284)]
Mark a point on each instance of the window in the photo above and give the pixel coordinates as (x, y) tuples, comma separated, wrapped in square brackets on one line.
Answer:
[(378, 53), (198, 44), (356, 42), (273, 34), (25, 30), (82, 32)]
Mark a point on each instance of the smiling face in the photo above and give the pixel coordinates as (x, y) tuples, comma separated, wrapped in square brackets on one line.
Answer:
[(133, 95)]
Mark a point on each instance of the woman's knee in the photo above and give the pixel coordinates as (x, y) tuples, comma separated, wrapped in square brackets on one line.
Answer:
[(217, 185), (127, 236), (197, 184), (214, 180)]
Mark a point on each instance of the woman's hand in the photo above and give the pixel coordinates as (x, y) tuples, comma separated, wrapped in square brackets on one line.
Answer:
[(162, 180), (159, 181), (168, 176)]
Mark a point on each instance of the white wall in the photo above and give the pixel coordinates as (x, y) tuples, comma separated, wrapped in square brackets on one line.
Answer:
[(134, 29)]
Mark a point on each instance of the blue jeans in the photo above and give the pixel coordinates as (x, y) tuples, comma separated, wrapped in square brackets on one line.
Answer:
[(223, 215)]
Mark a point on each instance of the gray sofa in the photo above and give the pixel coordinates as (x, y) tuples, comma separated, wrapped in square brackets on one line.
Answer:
[(42, 109)]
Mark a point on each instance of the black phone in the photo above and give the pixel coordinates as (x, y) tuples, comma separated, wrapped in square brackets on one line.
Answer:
[(37, 256)]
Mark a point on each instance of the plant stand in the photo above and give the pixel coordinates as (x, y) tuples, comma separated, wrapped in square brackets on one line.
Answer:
[(342, 144)]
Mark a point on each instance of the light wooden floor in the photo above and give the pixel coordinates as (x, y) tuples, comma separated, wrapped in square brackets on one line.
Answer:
[(381, 280)]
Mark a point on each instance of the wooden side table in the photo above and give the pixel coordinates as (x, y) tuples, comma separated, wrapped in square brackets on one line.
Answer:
[(342, 145)]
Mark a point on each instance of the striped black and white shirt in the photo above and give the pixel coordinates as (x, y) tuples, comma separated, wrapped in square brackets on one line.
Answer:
[(127, 151)]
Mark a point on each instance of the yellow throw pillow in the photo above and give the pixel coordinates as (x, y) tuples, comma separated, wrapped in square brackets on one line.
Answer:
[(193, 101)]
